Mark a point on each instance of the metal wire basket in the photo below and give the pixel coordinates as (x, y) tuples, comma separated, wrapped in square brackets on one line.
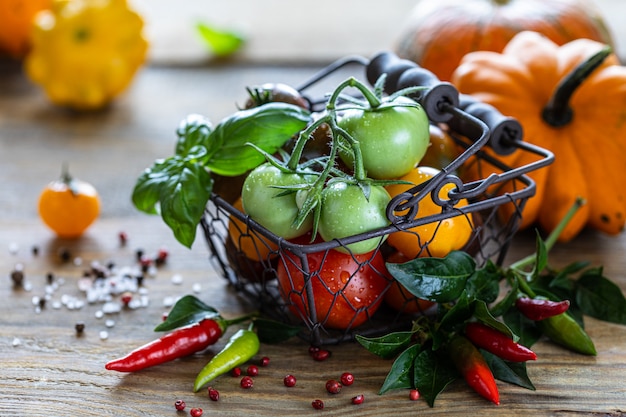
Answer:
[(473, 125)]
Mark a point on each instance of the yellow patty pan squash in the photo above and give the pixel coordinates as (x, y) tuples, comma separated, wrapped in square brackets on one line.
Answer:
[(571, 100), (86, 52)]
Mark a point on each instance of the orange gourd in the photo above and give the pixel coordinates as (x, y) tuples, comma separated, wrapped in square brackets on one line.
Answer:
[(440, 32), (16, 20), (571, 100)]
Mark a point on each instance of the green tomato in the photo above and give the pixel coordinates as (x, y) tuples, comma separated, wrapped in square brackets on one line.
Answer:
[(261, 201), (346, 212), (393, 138)]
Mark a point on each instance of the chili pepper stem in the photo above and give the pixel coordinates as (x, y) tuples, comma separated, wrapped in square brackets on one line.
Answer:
[(552, 237), (247, 317)]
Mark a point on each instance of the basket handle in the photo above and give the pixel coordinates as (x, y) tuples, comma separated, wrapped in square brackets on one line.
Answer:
[(402, 73), (436, 100)]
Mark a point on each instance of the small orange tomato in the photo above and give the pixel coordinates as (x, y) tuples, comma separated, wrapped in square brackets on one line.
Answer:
[(69, 206)]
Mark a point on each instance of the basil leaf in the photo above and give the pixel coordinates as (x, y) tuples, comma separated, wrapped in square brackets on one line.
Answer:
[(401, 373), (179, 190), (435, 279), (193, 131), (432, 375), (184, 199), (268, 127), (600, 298), (272, 332), (187, 310), (386, 346), (511, 372)]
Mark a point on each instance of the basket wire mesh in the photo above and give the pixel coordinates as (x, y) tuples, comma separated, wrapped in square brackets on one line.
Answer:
[(472, 125)]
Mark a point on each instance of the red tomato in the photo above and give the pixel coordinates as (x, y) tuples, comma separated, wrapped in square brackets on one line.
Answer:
[(347, 288)]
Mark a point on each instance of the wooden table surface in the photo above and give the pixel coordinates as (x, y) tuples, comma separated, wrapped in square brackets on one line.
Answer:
[(47, 370)]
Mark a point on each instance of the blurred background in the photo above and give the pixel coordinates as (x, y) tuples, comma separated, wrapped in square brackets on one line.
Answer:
[(321, 29)]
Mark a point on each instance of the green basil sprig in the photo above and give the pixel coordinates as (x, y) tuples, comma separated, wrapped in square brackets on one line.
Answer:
[(179, 187)]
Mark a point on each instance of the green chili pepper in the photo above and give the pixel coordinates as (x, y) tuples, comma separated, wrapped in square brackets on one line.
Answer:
[(564, 330), (241, 347)]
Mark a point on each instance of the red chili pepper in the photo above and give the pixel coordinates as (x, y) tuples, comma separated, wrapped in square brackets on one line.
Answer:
[(540, 308), (498, 343), (472, 365), (179, 343)]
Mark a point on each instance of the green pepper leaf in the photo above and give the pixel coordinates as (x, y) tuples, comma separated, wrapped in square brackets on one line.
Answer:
[(440, 280), (272, 332), (507, 301), (541, 257), (187, 310), (386, 346), (511, 372), (524, 328), (482, 313), (432, 375), (268, 127), (562, 280), (484, 283), (600, 298), (221, 42), (401, 373), (461, 311)]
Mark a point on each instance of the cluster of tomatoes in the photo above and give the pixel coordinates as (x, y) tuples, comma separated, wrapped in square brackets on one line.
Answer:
[(335, 181)]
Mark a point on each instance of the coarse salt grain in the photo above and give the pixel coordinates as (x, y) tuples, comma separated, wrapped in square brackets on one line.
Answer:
[(168, 301), (111, 307), (13, 248)]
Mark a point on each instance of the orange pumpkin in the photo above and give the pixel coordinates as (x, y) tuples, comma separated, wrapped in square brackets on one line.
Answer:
[(570, 100), (16, 19), (440, 32)]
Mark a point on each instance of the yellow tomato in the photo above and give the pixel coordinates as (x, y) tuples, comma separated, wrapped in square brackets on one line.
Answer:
[(435, 239), (69, 206)]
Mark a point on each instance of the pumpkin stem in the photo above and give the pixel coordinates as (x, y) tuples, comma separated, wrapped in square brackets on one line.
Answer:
[(558, 111)]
